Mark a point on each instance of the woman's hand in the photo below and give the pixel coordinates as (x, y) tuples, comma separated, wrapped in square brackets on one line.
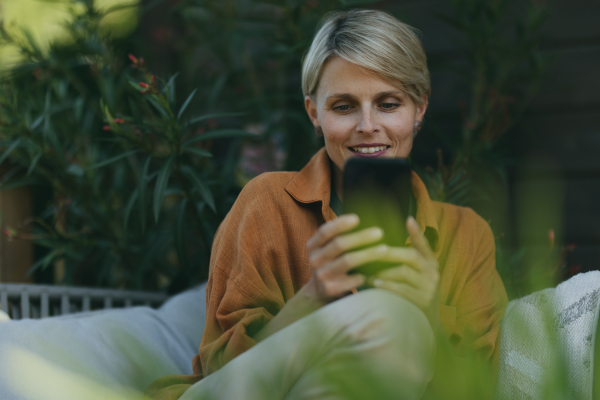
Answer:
[(331, 258), (417, 277)]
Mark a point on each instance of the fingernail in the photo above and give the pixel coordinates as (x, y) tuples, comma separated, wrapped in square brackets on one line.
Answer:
[(377, 282), (352, 219), (382, 249), (376, 233)]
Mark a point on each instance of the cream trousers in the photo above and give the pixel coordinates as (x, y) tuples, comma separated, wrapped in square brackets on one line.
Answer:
[(370, 345)]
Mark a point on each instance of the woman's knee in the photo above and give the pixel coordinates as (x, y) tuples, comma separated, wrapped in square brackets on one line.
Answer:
[(377, 314), (389, 334), (388, 307)]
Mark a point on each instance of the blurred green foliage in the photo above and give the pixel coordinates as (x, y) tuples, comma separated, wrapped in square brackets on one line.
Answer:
[(134, 198), (137, 204), (501, 67)]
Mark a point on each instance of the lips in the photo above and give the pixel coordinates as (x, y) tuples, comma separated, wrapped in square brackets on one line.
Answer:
[(369, 150)]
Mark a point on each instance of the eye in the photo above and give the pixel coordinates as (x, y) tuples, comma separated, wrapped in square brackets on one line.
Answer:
[(389, 106), (343, 108)]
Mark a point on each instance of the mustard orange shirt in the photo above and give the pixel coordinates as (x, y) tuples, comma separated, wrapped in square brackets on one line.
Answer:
[(259, 262)]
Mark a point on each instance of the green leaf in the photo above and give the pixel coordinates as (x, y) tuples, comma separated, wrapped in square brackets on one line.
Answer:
[(128, 209), (55, 142), (215, 115), (201, 186), (152, 99), (169, 88), (161, 185), (75, 169), (113, 159), (199, 152), (45, 262), (37, 122), (216, 90), (220, 134), (348, 3), (142, 182), (135, 85), (34, 162), (179, 234), (187, 102), (10, 150)]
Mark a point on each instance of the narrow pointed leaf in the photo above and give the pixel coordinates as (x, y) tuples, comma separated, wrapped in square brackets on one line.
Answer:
[(179, 234), (113, 159), (215, 115), (47, 111), (45, 261), (187, 102), (216, 90), (37, 122), (142, 184), (199, 152), (128, 209), (152, 100), (161, 185), (220, 134), (200, 186), (169, 89), (10, 150), (34, 163), (135, 85)]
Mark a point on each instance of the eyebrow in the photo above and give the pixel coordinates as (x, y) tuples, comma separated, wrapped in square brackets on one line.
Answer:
[(352, 97)]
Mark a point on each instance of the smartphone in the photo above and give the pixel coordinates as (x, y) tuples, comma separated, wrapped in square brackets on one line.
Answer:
[(378, 190)]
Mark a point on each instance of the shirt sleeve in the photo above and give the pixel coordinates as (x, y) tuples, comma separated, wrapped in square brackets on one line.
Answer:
[(480, 309), (247, 276)]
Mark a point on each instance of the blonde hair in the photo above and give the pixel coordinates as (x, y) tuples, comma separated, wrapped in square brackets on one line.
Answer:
[(375, 41)]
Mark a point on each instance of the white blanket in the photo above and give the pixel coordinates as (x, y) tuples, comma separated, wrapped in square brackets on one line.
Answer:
[(547, 342), (101, 354)]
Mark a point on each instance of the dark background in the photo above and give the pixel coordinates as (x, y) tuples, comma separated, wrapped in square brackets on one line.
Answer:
[(538, 185)]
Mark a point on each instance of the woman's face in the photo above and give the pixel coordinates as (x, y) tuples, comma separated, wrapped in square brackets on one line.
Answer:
[(361, 115)]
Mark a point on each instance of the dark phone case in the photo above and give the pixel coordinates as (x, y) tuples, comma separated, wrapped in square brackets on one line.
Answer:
[(378, 190)]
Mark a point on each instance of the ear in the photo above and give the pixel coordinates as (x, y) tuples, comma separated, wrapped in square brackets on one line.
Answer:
[(311, 109), (421, 108)]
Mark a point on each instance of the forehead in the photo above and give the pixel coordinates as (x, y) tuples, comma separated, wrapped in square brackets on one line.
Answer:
[(342, 76)]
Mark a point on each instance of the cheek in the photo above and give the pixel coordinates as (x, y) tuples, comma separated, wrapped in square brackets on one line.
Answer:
[(400, 131), (337, 130)]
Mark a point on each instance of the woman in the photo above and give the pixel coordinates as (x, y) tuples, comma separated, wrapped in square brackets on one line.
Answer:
[(279, 271)]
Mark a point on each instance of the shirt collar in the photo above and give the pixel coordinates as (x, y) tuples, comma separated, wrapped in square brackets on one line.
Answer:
[(313, 184)]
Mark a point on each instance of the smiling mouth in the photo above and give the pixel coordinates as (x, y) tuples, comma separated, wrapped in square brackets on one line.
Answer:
[(368, 150)]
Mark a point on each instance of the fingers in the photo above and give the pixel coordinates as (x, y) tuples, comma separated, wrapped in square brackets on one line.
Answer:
[(404, 290), (331, 229), (405, 255), (343, 243), (403, 273), (347, 262), (331, 259), (341, 286), (419, 241)]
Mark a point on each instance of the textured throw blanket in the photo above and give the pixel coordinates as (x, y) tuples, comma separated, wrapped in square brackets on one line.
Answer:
[(547, 342)]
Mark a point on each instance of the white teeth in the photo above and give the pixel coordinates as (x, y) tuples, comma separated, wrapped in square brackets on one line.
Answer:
[(367, 150)]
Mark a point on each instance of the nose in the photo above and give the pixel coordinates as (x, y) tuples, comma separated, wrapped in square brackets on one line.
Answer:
[(367, 124)]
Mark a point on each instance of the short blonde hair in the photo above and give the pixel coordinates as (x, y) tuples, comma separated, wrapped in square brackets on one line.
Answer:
[(373, 40)]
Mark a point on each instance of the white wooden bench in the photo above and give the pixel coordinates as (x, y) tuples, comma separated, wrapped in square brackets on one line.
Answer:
[(21, 301)]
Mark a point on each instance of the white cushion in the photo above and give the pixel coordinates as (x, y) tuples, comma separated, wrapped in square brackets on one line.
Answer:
[(547, 342), (121, 349)]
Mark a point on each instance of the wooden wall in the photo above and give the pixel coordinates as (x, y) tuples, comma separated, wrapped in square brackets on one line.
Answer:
[(16, 256), (559, 165)]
